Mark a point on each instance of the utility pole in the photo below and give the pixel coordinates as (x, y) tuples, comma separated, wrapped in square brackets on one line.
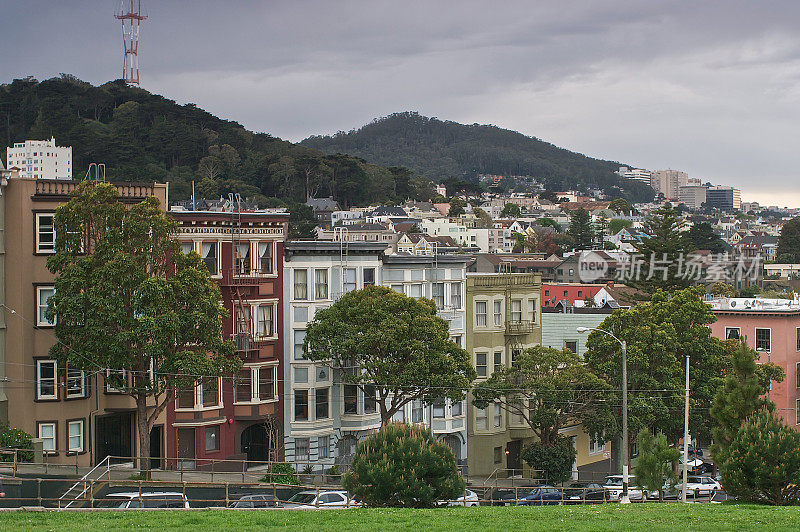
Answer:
[(686, 432), (624, 498)]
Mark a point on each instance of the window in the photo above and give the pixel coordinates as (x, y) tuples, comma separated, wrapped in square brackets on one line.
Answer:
[(480, 313), (244, 388), (369, 276), (321, 284), (398, 288), (265, 326), (796, 413), (243, 320), (597, 446), (480, 418), (438, 295), (497, 415), (516, 310), (186, 398), (242, 259), (457, 409), (76, 384), (46, 384), (415, 290), (47, 433), (480, 364), (45, 233), (350, 399), (211, 392), (498, 313), (299, 340), (762, 339), (349, 280), (571, 345), (733, 333), (208, 252), (302, 448), (416, 411), (43, 294), (265, 257), (324, 447), (212, 438), (797, 374), (301, 405), (301, 284), (370, 403), (498, 360), (321, 404), (455, 295), (532, 309), (798, 338), (186, 247), (266, 383), (438, 408)]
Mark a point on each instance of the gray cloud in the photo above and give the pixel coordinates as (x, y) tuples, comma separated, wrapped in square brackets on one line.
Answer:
[(709, 87)]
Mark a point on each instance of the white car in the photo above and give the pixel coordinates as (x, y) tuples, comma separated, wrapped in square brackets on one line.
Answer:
[(322, 499), (134, 499), (613, 487), (699, 486), (470, 498)]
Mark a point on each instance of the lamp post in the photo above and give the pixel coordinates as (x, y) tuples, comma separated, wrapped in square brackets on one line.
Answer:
[(624, 499), (686, 432)]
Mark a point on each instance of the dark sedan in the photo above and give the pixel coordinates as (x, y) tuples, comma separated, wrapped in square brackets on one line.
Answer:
[(509, 496), (542, 495), (584, 492)]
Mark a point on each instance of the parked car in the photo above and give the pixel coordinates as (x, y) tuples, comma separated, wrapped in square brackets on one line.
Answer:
[(256, 501), (134, 499), (542, 495), (699, 486), (580, 492), (693, 451), (696, 466), (321, 499), (613, 487), (470, 498), (509, 496)]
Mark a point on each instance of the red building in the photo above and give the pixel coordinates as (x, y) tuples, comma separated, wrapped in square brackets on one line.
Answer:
[(223, 418), (553, 293), (771, 327)]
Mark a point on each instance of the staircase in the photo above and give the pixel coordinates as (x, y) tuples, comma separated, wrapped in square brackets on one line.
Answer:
[(77, 491)]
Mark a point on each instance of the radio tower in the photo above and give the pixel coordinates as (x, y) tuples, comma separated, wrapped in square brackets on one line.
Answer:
[(131, 16)]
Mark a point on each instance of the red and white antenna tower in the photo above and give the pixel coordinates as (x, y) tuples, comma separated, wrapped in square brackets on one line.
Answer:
[(131, 17)]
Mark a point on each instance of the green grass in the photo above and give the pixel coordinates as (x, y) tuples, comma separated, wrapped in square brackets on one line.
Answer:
[(650, 517)]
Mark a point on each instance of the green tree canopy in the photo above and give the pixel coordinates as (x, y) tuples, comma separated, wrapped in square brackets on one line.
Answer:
[(617, 224), (580, 229), (552, 462), (549, 222), (789, 242), (702, 236), (661, 252), (621, 206), (656, 461), (511, 210), (133, 304), (548, 388), (457, 207), (391, 345)]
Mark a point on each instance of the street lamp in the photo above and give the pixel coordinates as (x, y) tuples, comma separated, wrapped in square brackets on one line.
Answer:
[(686, 432), (624, 497)]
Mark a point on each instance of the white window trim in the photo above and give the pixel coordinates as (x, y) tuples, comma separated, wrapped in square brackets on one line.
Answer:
[(255, 369), (54, 424), (39, 322), (198, 399), (39, 394), (110, 389), (218, 256), (255, 304), (82, 393), (257, 257), (475, 313), (755, 339), (82, 425), (37, 243), (309, 418)]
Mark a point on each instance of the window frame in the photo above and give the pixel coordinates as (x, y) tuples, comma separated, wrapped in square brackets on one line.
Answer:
[(484, 418), (296, 404), (319, 283), (37, 248), (273, 314), (323, 444), (365, 282), (303, 296), (349, 392), (347, 285), (483, 314), (43, 323), (497, 311), (40, 397), (305, 457), (205, 258), (455, 295), (270, 246), (738, 332), (215, 436), (54, 423), (327, 403), (484, 365), (769, 340), (81, 422), (83, 393)]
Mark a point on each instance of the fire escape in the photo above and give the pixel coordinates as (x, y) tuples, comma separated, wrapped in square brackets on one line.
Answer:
[(242, 282)]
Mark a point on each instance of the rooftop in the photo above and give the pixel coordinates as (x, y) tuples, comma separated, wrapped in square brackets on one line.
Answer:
[(755, 304)]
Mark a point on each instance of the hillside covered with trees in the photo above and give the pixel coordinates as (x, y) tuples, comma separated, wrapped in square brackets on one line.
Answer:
[(441, 150), (143, 137)]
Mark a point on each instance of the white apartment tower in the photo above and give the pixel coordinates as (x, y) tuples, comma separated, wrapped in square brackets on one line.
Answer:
[(40, 159)]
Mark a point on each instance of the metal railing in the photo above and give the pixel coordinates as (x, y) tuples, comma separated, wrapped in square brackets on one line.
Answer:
[(103, 468)]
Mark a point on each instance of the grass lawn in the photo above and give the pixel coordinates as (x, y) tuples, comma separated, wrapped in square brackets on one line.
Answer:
[(650, 517)]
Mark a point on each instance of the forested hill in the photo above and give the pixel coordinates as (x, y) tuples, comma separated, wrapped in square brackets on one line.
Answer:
[(143, 136), (442, 149)]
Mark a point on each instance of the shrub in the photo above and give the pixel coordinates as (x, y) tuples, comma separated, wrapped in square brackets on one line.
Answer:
[(656, 461), (403, 466), (281, 473), (11, 438), (763, 461), (555, 461)]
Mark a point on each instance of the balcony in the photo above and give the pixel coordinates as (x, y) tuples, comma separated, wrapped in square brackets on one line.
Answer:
[(517, 328)]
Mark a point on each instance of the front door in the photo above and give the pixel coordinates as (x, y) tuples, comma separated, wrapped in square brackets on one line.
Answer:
[(186, 451), (156, 446), (513, 462), (114, 437)]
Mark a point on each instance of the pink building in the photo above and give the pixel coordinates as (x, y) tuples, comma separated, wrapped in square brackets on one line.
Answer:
[(772, 327)]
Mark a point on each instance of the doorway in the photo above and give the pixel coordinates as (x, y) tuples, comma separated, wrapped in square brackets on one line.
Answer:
[(513, 462), (186, 448), (260, 442), (156, 446), (114, 437)]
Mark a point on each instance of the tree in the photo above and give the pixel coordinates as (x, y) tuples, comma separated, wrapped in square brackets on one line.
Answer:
[(554, 461), (656, 461), (484, 220), (722, 289), (547, 388), (659, 334), (549, 222), (763, 462), (302, 222), (702, 236), (549, 195), (133, 303), (390, 346), (662, 251), (789, 242), (511, 210), (403, 466), (742, 393), (617, 224), (456, 207), (621, 206), (580, 229)]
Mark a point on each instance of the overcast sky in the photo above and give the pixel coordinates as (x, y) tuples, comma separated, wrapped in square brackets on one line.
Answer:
[(711, 88)]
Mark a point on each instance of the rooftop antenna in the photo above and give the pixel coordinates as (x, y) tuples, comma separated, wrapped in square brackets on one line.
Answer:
[(130, 13)]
